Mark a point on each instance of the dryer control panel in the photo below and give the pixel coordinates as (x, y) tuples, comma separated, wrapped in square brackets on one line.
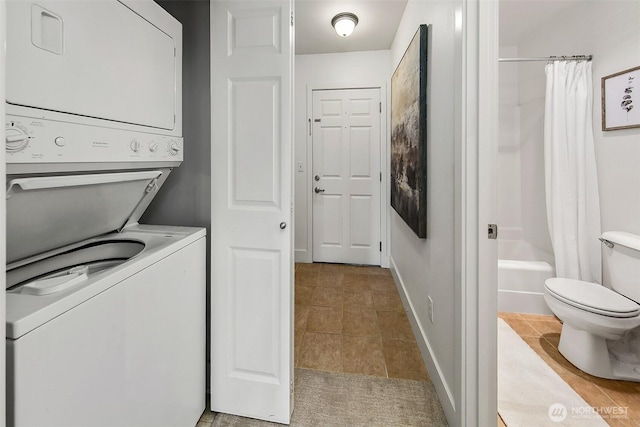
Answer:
[(31, 140)]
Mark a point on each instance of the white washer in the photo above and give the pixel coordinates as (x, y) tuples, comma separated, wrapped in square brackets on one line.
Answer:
[(105, 317)]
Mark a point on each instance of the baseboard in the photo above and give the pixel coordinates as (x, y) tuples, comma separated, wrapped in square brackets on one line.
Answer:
[(435, 372), (303, 255)]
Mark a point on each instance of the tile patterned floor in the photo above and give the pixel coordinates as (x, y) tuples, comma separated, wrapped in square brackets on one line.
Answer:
[(542, 333), (351, 319)]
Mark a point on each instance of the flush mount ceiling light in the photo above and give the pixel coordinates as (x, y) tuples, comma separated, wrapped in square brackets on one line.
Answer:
[(344, 23)]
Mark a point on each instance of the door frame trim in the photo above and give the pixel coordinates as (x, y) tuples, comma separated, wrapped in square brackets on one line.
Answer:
[(385, 232)]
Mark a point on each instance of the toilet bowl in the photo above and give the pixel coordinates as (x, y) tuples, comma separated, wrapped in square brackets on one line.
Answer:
[(595, 316)]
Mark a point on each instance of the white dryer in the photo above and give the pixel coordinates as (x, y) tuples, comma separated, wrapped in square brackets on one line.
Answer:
[(105, 317)]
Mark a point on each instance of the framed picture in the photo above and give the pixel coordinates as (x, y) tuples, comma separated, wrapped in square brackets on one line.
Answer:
[(621, 100), (409, 135)]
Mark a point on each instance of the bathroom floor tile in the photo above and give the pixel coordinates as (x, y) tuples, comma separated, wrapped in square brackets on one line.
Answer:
[(597, 392), (360, 321), (382, 283), (303, 295), (356, 282), (387, 301), (354, 299), (522, 327), (403, 360), (363, 355), (321, 351), (329, 280), (337, 327), (325, 319), (328, 297), (301, 316), (394, 325)]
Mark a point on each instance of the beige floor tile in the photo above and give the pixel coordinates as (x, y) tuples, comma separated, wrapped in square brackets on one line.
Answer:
[(403, 360), (363, 355), (328, 297), (387, 301), (325, 319), (356, 282), (522, 327), (394, 325), (305, 278), (298, 337), (330, 280), (539, 317), (321, 351), (360, 322), (355, 299), (500, 422), (303, 295), (301, 316), (371, 270), (204, 424), (382, 283), (508, 315), (546, 326)]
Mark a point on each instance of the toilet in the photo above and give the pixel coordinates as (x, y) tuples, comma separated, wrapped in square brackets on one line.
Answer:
[(595, 317)]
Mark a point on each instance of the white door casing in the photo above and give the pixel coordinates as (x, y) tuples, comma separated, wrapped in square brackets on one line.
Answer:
[(346, 162), (251, 244)]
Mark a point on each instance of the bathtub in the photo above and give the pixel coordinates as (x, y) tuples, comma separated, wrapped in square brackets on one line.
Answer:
[(522, 270)]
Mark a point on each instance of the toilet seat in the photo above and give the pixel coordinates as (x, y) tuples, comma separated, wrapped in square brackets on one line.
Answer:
[(592, 297)]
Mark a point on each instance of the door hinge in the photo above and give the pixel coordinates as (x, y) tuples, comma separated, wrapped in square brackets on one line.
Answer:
[(380, 246), (380, 176), (492, 231), (292, 19), (380, 104)]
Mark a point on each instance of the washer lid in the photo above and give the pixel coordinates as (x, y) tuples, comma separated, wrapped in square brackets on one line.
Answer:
[(45, 213), (592, 297)]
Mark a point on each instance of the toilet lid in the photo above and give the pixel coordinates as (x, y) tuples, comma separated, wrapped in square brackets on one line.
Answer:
[(592, 297)]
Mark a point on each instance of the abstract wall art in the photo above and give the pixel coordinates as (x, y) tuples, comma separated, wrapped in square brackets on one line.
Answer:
[(409, 135)]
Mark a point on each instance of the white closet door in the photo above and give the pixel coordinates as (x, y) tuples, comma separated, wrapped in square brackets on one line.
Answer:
[(346, 176), (251, 253)]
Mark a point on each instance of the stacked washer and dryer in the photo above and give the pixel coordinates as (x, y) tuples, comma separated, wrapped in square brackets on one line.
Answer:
[(105, 317)]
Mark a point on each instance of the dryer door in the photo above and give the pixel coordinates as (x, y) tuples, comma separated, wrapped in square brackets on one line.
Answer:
[(96, 59)]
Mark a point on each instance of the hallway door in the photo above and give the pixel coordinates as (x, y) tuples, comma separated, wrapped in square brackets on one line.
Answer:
[(346, 176), (251, 209)]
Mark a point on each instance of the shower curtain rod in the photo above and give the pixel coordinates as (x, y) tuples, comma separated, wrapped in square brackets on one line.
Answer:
[(549, 58)]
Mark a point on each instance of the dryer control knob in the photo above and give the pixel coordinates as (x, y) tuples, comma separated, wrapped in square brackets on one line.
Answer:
[(153, 147), (135, 146), (174, 148), (16, 140)]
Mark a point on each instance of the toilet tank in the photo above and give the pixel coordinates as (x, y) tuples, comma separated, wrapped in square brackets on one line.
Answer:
[(623, 261)]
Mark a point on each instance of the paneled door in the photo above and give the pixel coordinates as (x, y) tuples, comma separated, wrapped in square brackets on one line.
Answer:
[(251, 209), (346, 176)]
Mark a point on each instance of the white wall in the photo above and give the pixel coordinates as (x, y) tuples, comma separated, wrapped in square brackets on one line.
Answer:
[(426, 266), (327, 71), (185, 198), (608, 30)]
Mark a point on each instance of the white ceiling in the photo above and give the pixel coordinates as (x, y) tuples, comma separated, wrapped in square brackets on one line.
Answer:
[(378, 22)]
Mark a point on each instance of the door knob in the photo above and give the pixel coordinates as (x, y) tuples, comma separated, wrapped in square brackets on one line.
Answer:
[(283, 225), (318, 190), (317, 178)]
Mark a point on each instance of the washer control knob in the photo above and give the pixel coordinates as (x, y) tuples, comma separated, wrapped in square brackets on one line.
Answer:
[(153, 147), (174, 148), (60, 142), (135, 146), (16, 140)]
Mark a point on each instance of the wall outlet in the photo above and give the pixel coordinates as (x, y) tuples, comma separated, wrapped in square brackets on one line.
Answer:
[(430, 307)]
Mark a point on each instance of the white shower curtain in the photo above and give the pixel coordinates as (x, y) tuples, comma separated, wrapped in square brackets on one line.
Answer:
[(571, 183)]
